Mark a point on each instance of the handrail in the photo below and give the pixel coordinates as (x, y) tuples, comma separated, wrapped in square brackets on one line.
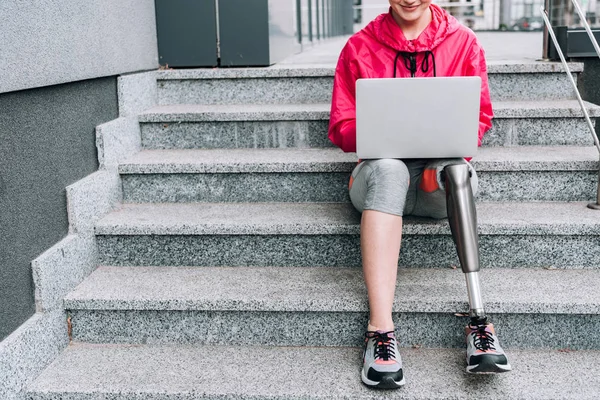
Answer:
[(595, 206)]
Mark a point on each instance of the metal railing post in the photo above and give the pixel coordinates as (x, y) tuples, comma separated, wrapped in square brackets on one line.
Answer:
[(318, 20), (595, 206), (310, 21), (299, 19), (546, 42)]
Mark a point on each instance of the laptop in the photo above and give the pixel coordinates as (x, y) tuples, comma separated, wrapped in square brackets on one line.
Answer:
[(417, 117)]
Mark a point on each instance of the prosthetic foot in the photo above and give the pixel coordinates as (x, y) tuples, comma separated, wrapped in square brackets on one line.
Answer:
[(484, 354)]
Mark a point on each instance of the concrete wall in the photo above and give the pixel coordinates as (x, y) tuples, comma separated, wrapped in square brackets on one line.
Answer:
[(47, 141), (59, 62), (47, 42)]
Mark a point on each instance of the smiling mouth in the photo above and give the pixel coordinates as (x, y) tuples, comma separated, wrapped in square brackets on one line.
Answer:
[(411, 7)]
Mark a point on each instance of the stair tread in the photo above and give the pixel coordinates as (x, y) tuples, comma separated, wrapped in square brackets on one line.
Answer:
[(331, 289), (522, 158), (494, 218), (320, 70), (162, 372), (269, 112)]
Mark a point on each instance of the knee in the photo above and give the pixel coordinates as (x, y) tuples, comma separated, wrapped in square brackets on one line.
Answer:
[(383, 185), (390, 173)]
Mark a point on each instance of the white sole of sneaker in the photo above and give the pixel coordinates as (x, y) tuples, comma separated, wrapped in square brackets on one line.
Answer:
[(488, 369), (384, 384)]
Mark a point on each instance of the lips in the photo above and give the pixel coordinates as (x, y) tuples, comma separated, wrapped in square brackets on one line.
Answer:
[(410, 8)]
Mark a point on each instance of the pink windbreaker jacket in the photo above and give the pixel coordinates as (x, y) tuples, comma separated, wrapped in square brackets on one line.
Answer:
[(380, 50)]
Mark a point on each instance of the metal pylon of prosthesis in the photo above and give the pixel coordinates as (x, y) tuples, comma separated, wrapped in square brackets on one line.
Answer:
[(462, 217)]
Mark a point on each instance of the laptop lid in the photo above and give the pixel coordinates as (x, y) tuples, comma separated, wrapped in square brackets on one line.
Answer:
[(417, 117)]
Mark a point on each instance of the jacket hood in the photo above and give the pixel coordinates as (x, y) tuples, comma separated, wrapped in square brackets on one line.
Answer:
[(387, 32)]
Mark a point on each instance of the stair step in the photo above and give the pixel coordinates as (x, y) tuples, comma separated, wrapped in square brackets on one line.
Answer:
[(556, 173), (424, 290), (184, 372), (305, 125), (308, 306), (313, 84), (326, 234)]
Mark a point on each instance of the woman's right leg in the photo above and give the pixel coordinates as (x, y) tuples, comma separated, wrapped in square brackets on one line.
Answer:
[(379, 191), (380, 236)]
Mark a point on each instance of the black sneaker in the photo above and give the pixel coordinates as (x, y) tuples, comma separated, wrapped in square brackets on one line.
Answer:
[(382, 365), (484, 354)]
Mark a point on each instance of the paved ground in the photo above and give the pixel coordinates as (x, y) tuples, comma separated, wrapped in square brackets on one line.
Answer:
[(499, 46)]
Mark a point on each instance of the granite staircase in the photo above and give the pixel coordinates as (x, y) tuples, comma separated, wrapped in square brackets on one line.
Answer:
[(232, 268)]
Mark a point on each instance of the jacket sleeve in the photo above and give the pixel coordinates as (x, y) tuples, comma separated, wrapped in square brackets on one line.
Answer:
[(342, 123), (477, 67)]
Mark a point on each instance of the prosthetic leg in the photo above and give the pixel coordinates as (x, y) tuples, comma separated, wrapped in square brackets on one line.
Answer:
[(463, 224), (484, 354)]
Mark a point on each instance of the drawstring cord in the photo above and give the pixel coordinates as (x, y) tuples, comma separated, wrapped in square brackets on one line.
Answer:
[(410, 62)]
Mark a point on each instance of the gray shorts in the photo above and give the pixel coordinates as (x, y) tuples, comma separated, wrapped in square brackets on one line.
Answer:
[(403, 187)]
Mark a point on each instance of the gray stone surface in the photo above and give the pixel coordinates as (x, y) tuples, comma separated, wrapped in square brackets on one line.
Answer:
[(55, 41), (190, 372), (116, 140), (343, 250), (67, 263), (303, 134), (506, 173), (538, 158), (91, 198), (288, 70), (235, 112), (312, 112), (237, 134), (285, 234), (523, 86), (536, 185), (543, 109), (29, 350), (311, 328), (516, 66), (541, 218), (286, 83), (238, 161), (192, 126), (508, 185), (538, 132), (236, 91), (137, 92), (245, 187), (62, 267), (440, 290), (327, 306)]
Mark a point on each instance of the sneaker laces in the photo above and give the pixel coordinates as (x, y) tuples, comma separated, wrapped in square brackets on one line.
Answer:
[(384, 347), (483, 339)]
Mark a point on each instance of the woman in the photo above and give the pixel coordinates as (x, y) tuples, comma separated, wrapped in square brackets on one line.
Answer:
[(414, 39)]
